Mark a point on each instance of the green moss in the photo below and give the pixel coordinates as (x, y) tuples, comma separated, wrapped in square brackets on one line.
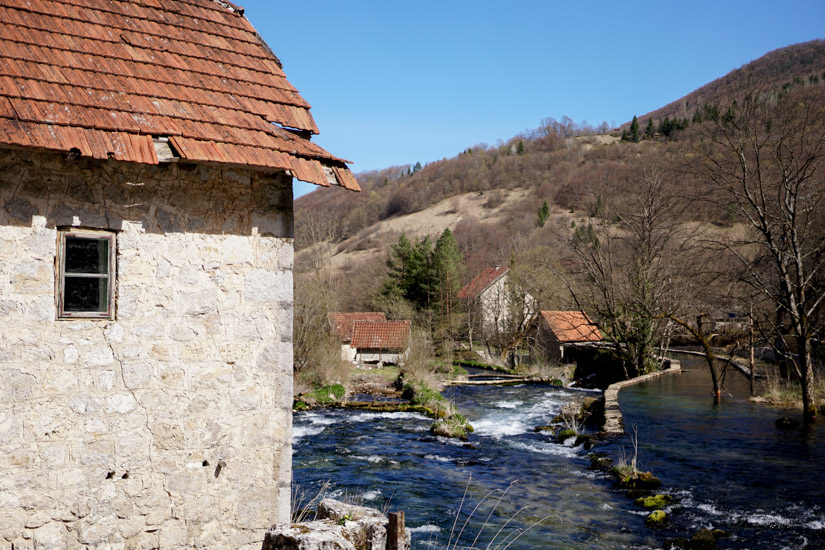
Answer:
[(629, 479), (565, 434), (455, 426), (543, 429), (655, 502), (320, 397), (656, 518), (421, 394)]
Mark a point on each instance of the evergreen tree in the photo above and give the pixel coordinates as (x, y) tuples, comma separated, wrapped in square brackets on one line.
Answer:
[(447, 267), (634, 130), (649, 128), (520, 147), (395, 285), (410, 272), (416, 168), (624, 135), (544, 213)]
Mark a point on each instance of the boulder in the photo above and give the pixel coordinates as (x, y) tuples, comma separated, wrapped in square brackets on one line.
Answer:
[(655, 502), (640, 480), (657, 518), (339, 526), (703, 540)]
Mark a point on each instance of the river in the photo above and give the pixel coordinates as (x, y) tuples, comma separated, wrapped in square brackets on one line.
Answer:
[(727, 465)]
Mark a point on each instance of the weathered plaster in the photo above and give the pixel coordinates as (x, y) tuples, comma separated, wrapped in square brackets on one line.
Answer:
[(169, 426)]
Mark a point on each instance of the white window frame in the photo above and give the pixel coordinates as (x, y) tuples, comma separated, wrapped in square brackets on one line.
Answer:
[(110, 236)]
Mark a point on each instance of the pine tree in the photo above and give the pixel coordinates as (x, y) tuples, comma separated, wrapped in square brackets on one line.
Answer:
[(520, 148), (447, 267), (649, 128), (544, 213), (634, 130)]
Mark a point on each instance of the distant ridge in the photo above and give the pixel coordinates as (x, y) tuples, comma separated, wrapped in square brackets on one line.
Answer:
[(783, 66)]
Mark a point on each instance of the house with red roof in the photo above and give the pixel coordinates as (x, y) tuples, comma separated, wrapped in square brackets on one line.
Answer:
[(147, 154), (381, 342), (554, 330), (341, 323), (494, 305)]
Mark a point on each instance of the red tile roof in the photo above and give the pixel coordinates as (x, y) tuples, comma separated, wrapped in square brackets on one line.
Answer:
[(341, 322), (106, 76), (483, 280), (571, 326), (394, 335)]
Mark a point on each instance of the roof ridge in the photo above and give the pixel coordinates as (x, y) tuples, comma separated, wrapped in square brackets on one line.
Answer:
[(165, 8), (29, 9), (127, 30)]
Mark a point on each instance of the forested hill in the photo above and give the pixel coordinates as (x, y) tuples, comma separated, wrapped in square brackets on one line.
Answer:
[(490, 196), (792, 65)]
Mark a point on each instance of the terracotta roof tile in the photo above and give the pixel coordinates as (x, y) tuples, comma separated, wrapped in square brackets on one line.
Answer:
[(341, 322), (571, 326), (479, 284), (97, 70), (394, 335)]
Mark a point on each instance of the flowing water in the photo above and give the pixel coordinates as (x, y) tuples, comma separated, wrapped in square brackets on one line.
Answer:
[(727, 465)]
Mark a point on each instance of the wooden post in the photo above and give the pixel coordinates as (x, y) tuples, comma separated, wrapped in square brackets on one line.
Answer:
[(396, 531)]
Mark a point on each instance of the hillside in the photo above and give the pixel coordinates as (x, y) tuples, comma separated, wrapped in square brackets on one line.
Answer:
[(793, 65), (489, 196)]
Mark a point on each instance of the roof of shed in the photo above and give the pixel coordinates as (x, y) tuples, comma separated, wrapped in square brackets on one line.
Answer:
[(482, 281), (108, 77), (381, 334), (341, 322), (571, 326)]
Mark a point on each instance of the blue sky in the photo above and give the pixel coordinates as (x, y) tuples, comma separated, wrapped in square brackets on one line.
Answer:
[(393, 83)]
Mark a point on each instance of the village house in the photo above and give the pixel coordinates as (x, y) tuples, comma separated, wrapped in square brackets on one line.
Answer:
[(555, 330), (147, 152), (495, 306), (381, 342), (340, 323)]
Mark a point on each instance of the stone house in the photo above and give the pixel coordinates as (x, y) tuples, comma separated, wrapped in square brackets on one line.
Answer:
[(147, 151), (553, 331), (381, 342), (495, 304), (341, 324)]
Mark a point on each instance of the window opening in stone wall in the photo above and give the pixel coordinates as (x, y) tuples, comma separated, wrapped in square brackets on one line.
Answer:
[(86, 268)]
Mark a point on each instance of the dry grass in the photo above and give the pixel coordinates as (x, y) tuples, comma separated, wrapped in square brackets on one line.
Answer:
[(779, 391)]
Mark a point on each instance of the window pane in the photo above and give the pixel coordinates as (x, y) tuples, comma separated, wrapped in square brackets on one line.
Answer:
[(87, 255), (84, 295)]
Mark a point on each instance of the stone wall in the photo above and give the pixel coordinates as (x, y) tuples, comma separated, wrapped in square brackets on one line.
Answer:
[(169, 426)]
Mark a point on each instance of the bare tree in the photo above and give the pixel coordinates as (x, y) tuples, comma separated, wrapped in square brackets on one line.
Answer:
[(626, 265), (765, 154)]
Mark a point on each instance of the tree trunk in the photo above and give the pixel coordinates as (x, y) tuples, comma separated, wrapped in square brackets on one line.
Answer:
[(751, 361), (806, 368)]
